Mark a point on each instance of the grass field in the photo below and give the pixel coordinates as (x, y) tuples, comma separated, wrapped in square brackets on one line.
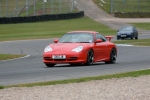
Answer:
[(124, 5), (145, 26), (50, 29)]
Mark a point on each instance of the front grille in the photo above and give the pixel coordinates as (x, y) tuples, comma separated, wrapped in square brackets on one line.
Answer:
[(48, 58), (72, 58), (68, 59), (59, 59)]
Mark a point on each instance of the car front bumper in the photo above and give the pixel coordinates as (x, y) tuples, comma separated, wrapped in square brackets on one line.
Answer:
[(71, 58), (124, 36)]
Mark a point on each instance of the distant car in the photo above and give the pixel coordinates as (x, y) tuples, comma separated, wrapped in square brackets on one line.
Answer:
[(80, 47), (127, 32)]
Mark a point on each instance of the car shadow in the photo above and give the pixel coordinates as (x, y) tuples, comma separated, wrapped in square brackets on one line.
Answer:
[(68, 65)]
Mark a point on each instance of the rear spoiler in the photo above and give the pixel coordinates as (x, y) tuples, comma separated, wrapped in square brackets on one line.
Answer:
[(109, 37)]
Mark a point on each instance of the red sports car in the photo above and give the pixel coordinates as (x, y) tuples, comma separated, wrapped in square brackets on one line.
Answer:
[(80, 47)]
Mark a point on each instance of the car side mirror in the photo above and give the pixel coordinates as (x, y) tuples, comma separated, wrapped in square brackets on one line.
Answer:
[(98, 41), (56, 40)]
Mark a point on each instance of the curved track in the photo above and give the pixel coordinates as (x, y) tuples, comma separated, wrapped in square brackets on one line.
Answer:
[(32, 69)]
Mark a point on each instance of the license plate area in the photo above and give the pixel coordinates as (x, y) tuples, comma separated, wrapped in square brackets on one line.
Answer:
[(123, 35), (59, 56)]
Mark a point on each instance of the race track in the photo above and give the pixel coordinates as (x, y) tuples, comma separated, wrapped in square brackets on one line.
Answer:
[(32, 69)]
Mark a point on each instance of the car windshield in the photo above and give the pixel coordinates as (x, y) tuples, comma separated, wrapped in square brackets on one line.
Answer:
[(126, 29), (77, 38)]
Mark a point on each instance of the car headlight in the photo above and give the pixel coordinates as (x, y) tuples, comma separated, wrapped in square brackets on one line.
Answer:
[(48, 49), (78, 49)]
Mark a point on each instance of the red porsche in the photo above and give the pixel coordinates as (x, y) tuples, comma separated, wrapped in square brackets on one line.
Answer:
[(80, 47)]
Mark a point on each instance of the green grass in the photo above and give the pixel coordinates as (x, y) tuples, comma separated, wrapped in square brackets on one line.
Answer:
[(145, 26), (85, 79), (9, 56), (124, 5), (141, 42), (50, 29), (2, 87)]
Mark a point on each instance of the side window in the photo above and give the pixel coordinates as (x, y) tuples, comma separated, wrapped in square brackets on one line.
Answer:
[(99, 36), (103, 38)]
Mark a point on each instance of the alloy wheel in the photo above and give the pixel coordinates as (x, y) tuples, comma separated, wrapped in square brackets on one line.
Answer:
[(90, 57), (113, 56)]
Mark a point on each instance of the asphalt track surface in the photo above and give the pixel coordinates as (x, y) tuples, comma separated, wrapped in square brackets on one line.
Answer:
[(31, 69)]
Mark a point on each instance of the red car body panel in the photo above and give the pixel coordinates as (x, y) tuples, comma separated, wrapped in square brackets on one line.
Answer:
[(101, 51)]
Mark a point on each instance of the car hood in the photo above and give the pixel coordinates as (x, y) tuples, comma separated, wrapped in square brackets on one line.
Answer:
[(124, 32), (67, 46)]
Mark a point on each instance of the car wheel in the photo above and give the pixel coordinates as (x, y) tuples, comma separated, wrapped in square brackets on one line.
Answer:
[(117, 38), (90, 57), (113, 56), (50, 65), (132, 37), (136, 37)]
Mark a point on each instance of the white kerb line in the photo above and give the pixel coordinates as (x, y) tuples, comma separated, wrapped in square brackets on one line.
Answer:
[(103, 1)]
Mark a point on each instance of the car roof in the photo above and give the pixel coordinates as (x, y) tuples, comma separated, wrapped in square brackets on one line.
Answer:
[(92, 32)]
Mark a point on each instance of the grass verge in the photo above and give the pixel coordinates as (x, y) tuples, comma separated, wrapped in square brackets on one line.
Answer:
[(50, 29), (123, 5), (54, 29), (1, 87), (141, 42), (9, 56), (145, 26), (85, 79)]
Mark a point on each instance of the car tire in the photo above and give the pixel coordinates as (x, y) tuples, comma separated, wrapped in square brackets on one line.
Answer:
[(113, 56), (136, 37), (90, 57), (50, 65), (132, 37)]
